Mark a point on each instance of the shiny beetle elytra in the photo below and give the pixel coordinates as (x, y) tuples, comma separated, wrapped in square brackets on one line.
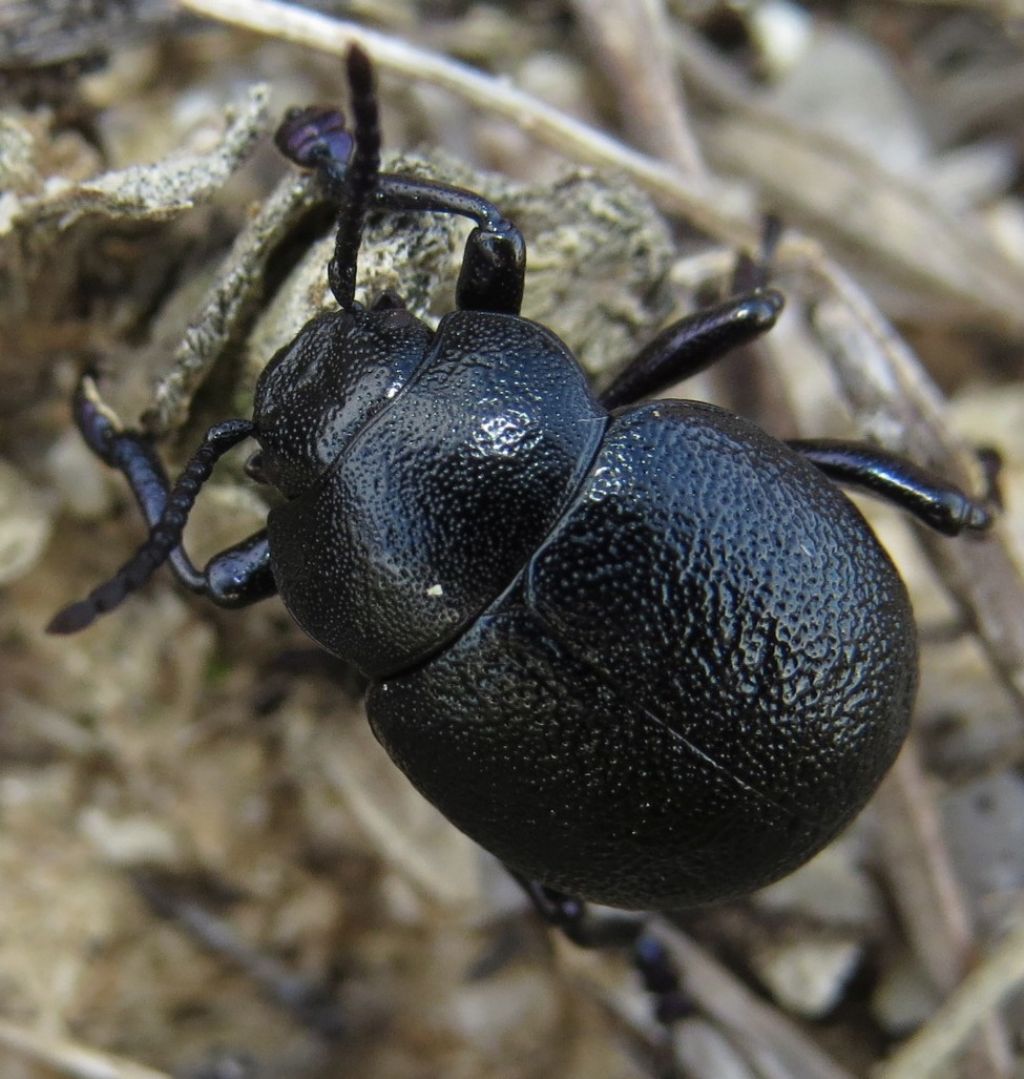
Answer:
[(642, 652)]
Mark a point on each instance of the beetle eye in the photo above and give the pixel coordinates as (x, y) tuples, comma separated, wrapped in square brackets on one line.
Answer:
[(254, 467)]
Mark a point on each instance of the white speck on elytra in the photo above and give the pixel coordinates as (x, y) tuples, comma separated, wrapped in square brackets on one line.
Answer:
[(435, 590)]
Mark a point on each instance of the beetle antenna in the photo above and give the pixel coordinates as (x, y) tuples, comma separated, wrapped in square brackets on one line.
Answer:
[(164, 536), (360, 177)]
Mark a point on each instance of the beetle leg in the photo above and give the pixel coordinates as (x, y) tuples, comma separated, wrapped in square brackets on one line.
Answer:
[(240, 575), (493, 265), (494, 261), (694, 343), (233, 578), (752, 272), (934, 502), (650, 958)]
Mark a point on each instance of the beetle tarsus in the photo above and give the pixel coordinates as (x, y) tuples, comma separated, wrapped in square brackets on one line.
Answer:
[(650, 957)]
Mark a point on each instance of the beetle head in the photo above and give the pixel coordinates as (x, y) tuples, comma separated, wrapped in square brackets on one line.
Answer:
[(317, 392)]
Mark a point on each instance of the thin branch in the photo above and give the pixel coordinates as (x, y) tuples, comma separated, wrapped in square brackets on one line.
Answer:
[(893, 223), (632, 40), (924, 886), (773, 1045), (311, 1002), (980, 993), (68, 1059), (1010, 12), (725, 211), (931, 901), (776, 1045)]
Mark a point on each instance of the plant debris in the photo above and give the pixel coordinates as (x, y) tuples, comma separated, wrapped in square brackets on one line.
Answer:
[(208, 868)]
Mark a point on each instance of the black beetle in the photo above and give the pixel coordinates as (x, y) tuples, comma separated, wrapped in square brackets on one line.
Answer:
[(643, 653)]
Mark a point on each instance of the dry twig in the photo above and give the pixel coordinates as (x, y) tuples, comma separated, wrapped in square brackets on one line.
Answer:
[(632, 41), (776, 1046), (980, 993), (930, 899), (68, 1059), (894, 224), (726, 212)]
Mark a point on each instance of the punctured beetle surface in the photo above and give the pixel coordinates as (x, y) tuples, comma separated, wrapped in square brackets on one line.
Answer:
[(642, 652)]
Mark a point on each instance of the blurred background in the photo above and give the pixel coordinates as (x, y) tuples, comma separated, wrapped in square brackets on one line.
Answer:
[(208, 868)]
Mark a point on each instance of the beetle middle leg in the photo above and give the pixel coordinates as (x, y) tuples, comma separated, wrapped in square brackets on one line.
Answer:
[(693, 344), (650, 958)]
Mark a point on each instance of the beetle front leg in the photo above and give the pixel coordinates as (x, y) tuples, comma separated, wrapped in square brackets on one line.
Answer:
[(934, 502), (237, 576), (494, 261), (240, 575), (650, 958)]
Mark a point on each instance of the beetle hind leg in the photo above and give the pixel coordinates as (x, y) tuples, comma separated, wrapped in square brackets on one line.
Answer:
[(650, 958), (940, 505)]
